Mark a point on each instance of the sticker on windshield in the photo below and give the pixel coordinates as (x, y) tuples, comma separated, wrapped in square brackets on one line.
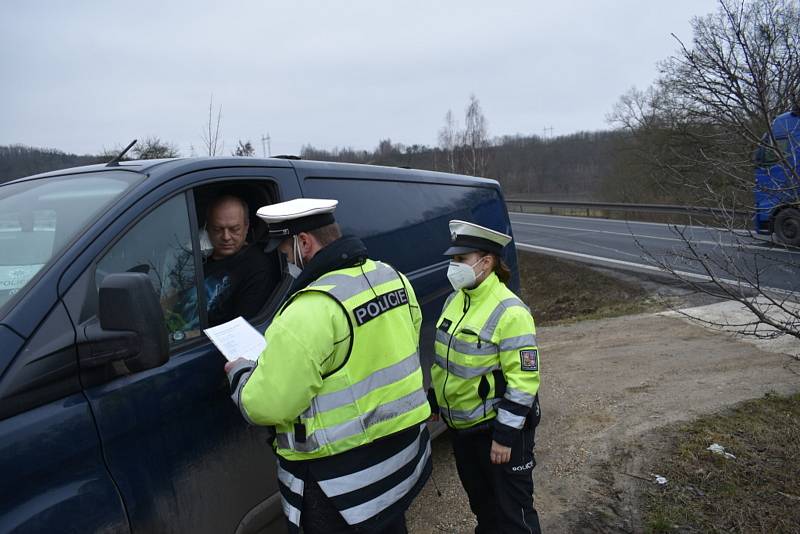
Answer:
[(13, 277)]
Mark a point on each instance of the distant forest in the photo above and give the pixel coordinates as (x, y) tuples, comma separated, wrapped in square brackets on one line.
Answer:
[(581, 166), (17, 161)]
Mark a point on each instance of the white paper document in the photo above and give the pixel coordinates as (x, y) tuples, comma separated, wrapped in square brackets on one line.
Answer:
[(237, 339)]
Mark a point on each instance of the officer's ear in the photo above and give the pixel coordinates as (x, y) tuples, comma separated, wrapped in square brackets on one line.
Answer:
[(307, 243)]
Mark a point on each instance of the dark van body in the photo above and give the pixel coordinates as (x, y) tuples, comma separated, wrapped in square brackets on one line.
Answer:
[(114, 409)]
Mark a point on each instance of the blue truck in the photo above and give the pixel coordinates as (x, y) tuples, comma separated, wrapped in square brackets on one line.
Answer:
[(777, 177), (115, 413)]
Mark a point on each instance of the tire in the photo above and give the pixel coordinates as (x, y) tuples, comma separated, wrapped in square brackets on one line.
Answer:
[(787, 226)]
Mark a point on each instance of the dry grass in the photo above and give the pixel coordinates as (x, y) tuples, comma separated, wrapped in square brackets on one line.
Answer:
[(758, 491), (561, 291)]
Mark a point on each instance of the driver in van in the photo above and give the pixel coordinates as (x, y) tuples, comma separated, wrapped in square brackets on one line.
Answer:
[(238, 276)]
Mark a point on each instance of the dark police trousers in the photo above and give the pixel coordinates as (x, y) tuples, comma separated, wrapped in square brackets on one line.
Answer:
[(500, 496), (320, 517)]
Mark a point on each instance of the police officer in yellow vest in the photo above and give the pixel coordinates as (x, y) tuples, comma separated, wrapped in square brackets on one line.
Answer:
[(485, 381), (340, 380)]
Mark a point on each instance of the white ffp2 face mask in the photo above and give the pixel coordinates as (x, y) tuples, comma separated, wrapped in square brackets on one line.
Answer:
[(462, 275), (294, 269)]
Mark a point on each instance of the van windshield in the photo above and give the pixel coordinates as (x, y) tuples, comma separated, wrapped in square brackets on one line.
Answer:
[(39, 217)]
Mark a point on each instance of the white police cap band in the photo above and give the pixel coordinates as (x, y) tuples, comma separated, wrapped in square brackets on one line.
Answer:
[(289, 218), (468, 237)]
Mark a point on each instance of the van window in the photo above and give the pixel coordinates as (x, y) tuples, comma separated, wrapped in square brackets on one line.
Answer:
[(39, 217), (160, 245), (240, 284), (765, 156)]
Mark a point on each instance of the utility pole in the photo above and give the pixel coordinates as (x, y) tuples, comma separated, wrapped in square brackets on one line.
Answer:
[(266, 148)]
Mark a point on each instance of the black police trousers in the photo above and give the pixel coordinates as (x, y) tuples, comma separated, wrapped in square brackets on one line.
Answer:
[(500, 496), (320, 517)]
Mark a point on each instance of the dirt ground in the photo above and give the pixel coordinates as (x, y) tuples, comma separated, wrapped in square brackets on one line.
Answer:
[(608, 385)]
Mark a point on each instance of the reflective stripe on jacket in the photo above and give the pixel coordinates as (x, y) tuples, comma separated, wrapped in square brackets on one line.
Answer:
[(377, 390), (487, 359), (383, 480), (340, 381)]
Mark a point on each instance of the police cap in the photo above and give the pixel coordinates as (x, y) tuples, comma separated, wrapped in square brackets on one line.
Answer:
[(468, 237), (292, 217)]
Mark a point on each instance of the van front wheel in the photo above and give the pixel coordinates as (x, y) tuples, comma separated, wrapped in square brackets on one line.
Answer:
[(787, 227)]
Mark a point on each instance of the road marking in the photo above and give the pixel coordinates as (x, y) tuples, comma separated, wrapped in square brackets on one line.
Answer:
[(703, 277), (631, 234)]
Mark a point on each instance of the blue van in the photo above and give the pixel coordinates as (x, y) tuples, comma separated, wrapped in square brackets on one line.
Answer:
[(115, 413)]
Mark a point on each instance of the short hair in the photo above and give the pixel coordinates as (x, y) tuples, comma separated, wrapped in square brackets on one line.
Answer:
[(220, 200), (326, 234)]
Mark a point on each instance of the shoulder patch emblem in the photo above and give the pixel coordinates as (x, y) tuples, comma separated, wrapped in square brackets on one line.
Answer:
[(529, 360)]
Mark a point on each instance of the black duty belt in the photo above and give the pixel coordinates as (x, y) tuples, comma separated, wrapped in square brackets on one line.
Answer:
[(482, 428)]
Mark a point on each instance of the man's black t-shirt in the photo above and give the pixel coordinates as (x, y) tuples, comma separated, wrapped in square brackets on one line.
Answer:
[(239, 284)]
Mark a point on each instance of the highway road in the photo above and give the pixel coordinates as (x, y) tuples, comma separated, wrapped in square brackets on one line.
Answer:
[(640, 246)]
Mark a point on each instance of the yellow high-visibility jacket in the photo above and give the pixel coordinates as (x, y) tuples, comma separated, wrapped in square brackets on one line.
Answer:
[(487, 360), (341, 367)]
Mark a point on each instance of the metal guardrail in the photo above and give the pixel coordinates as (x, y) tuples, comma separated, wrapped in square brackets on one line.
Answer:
[(616, 206)]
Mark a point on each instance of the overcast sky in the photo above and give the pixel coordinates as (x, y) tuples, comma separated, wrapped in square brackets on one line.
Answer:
[(85, 75)]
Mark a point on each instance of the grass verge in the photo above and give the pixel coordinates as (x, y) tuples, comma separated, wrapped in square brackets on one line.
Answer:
[(757, 491), (561, 291)]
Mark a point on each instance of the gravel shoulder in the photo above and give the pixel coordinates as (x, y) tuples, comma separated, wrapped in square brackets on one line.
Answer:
[(608, 385)]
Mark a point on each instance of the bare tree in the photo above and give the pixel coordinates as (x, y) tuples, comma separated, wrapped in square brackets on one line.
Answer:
[(154, 148), (467, 150), (385, 149), (211, 130), (244, 149), (476, 138), (711, 108), (448, 139)]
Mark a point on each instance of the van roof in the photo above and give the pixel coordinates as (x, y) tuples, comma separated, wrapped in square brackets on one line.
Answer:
[(158, 169)]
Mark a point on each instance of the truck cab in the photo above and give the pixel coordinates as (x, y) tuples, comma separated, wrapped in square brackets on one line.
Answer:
[(777, 181)]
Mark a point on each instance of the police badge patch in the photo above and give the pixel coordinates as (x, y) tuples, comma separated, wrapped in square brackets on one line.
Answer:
[(529, 360)]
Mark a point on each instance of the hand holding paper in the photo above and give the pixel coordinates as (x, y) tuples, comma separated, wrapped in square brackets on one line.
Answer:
[(237, 339)]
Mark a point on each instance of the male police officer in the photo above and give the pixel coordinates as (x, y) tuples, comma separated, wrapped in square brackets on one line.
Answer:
[(340, 380)]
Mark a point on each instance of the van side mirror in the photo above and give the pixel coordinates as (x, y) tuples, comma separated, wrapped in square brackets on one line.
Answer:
[(131, 328)]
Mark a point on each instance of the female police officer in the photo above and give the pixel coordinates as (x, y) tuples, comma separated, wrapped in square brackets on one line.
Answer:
[(485, 381)]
